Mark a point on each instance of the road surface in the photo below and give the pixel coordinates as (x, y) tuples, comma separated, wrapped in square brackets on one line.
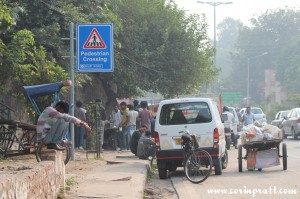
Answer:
[(270, 183)]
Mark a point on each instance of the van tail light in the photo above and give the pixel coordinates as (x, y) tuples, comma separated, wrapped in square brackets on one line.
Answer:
[(298, 120), (216, 136), (156, 140)]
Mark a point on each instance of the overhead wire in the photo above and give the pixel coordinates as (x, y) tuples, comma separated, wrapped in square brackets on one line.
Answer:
[(130, 59)]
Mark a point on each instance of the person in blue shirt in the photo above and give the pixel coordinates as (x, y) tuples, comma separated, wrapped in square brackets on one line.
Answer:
[(248, 117)]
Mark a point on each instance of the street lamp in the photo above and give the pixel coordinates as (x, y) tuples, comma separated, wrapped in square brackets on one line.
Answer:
[(248, 79), (214, 4)]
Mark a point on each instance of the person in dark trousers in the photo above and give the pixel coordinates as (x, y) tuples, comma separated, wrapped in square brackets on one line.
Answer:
[(135, 139), (136, 107), (123, 125), (146, 146), (79, 130)]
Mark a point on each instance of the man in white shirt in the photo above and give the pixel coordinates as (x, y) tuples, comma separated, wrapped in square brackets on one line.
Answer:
[(228, 121), (116, 118)]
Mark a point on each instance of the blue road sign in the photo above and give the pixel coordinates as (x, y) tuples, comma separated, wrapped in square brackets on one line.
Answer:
[(95, 48)]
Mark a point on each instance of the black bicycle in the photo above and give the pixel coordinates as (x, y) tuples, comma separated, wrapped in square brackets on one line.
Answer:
[(197, 162)]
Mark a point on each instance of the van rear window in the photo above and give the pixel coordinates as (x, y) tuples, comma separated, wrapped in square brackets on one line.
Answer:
[(185, 113)]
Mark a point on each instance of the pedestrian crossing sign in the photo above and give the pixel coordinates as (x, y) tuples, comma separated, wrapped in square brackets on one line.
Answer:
[(94, 41), (95, 50)]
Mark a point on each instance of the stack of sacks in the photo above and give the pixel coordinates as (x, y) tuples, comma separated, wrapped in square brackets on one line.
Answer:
[(274, 131), (253, 133)]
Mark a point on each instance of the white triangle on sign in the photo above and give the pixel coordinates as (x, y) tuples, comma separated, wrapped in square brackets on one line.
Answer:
[(94, 41)]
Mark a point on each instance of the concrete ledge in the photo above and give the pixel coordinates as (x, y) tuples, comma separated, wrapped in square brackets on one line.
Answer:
[(44, 180)]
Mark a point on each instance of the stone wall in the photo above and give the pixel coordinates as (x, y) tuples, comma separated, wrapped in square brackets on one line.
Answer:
[(42, 180)]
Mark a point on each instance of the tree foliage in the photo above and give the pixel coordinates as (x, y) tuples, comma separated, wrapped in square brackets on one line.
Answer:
[(163, 50), (157, 46), (271, 42), (22, 59)]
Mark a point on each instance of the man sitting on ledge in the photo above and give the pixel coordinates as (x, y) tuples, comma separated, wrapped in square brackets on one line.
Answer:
[(53, 123)]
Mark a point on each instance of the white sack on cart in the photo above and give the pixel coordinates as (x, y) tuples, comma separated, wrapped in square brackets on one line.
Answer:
[(273, 130), (268, 136), (267, 158)]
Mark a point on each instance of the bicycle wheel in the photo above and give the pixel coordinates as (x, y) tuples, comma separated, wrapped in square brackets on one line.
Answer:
[(66, 152), (198, 166), (40, 147)]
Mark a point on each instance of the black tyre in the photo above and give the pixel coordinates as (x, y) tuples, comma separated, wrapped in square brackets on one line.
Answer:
[(225, 160), (284, 156), (172, 168), (66, 152), (284, 135), (228, 143), (240, 158), (227, 146), (218, 166), (38, 151), (295, 136), (162, 173), (198, 166)]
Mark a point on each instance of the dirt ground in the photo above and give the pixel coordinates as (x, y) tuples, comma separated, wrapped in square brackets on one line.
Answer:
[(77, 170)]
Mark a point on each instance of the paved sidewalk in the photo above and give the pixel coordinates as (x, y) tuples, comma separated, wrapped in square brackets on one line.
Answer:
[(124, 176)]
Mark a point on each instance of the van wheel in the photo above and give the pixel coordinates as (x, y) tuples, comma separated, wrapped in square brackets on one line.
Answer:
[(228, 142), (163, 173), (227, 145), (225, 160), (218, 166)]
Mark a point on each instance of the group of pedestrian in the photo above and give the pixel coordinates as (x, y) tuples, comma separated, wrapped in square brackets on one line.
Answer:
[(53, 126), (127, 119)]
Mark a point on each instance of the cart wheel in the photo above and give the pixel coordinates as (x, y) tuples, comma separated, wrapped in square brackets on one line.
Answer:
[(240, 157), (284, 156)]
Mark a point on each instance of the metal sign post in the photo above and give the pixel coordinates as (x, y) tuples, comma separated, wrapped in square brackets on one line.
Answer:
[(72, 87)]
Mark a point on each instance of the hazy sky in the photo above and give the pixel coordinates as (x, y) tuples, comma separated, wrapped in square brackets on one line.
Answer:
[(239, 9)]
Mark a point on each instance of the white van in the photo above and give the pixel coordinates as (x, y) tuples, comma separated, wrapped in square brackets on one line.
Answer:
[(199, 116)]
